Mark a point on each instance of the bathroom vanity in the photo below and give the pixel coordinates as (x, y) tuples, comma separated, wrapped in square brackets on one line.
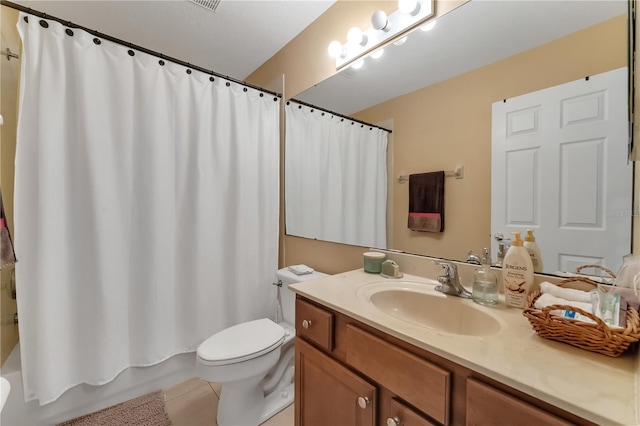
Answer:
[(374, 351)]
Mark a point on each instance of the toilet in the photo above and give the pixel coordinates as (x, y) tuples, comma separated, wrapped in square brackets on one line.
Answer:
[(254, 362)]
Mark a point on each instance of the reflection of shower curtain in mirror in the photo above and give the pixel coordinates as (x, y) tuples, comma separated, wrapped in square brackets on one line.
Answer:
[(146, 208), (335, 178)]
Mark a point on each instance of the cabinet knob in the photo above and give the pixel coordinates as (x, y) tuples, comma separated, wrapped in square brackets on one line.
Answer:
[(306, 324), (393, 421), (363, 401)]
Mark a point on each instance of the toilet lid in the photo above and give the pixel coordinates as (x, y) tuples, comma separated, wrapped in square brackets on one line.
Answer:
[(242, 342)]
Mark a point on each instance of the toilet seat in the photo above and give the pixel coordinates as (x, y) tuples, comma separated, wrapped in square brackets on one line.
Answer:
[(241, 342)]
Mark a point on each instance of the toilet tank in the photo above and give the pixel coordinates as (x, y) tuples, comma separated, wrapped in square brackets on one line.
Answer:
[(289, 297)]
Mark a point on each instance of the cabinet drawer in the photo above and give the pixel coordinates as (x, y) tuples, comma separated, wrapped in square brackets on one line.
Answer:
[(402, 415), (314, 324), (488, 405), (415, 380)]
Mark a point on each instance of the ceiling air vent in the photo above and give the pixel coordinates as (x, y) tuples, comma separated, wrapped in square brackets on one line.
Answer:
[(211, 5)]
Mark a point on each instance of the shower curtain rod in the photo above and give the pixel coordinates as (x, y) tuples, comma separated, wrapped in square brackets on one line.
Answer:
[(338, 114), (131, 45)]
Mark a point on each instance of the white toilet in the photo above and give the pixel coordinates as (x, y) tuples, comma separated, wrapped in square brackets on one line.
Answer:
[(254, 362)]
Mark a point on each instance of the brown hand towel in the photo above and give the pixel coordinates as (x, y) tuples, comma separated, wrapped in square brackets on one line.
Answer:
[(7, 255), (426, 202)]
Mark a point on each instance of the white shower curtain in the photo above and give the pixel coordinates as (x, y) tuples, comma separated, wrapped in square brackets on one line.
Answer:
[(335, 178), (146, 208)]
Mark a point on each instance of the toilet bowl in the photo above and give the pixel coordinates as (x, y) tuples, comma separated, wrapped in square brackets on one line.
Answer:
[(254, 362)]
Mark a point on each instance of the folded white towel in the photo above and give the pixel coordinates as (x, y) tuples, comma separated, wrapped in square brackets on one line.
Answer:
[(565, 293), (301, 269), (547, 299)]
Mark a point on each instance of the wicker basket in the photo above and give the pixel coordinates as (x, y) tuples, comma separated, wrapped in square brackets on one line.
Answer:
[(591, 337), (593, 266)]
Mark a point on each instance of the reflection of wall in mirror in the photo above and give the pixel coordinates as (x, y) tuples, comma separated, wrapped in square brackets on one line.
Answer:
[(449, 123)]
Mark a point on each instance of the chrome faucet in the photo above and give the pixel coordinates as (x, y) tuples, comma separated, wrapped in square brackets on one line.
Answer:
[(473, 258), (450, 281)]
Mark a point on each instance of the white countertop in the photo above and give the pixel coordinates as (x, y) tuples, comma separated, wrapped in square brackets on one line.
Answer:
[(596, 387)]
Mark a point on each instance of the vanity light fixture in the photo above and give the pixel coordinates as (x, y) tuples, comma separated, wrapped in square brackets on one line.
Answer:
[(357, 64), (380, 21), (356, 36), (401, 41), (410, 15), (409, 7), (337, 50), (377, 54), (429, 26)]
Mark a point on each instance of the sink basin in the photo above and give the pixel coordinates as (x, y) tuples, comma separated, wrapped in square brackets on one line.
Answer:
[(419, 304)]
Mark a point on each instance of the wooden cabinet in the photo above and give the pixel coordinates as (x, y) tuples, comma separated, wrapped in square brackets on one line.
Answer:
[(416, 380), (403, 415), (351, 374), (329, 394), (486, 402), (314, 324)]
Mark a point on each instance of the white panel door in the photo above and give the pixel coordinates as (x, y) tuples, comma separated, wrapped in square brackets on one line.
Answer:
[(559, 166)]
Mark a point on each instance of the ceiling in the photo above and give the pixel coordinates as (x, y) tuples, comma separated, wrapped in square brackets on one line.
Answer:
[(475, 34), (234, 40)]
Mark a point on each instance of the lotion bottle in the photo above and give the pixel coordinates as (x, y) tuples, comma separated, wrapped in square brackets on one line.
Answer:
[(534, 251), (517, 273)]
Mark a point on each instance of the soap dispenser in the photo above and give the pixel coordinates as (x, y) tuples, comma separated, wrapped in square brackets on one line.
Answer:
[(485, 283), (390, 269), (503, 246), (534, 251)]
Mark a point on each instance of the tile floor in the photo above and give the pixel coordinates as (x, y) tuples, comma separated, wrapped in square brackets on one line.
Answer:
[(195, 403)]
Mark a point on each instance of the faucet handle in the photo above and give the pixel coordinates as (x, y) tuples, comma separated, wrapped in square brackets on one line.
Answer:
[(450, 269)]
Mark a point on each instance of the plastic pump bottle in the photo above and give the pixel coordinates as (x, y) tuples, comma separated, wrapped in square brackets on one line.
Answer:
[(485, 283), (534, 251), (517, 273)]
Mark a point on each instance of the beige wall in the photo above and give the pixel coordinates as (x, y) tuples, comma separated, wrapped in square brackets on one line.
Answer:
[(9, 76), (448, 124)]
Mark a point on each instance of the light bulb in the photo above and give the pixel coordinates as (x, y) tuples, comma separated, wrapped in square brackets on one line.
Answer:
[(409, 7), (337, 50), (379, 20), (377, 54), (357, 64), (429, 26), (401, 41), (356, 36)]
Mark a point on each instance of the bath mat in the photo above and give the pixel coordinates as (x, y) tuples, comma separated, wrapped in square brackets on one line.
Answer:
[(147, 410)]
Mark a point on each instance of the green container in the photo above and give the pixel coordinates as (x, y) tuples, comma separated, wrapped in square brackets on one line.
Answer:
[(373, 262)]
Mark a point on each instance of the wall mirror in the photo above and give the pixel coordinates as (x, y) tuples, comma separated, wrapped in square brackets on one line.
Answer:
[(437, 89)]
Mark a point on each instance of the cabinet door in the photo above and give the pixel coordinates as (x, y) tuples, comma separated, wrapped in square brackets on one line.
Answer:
[(402, 415), (327, 393), (487, 405)]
